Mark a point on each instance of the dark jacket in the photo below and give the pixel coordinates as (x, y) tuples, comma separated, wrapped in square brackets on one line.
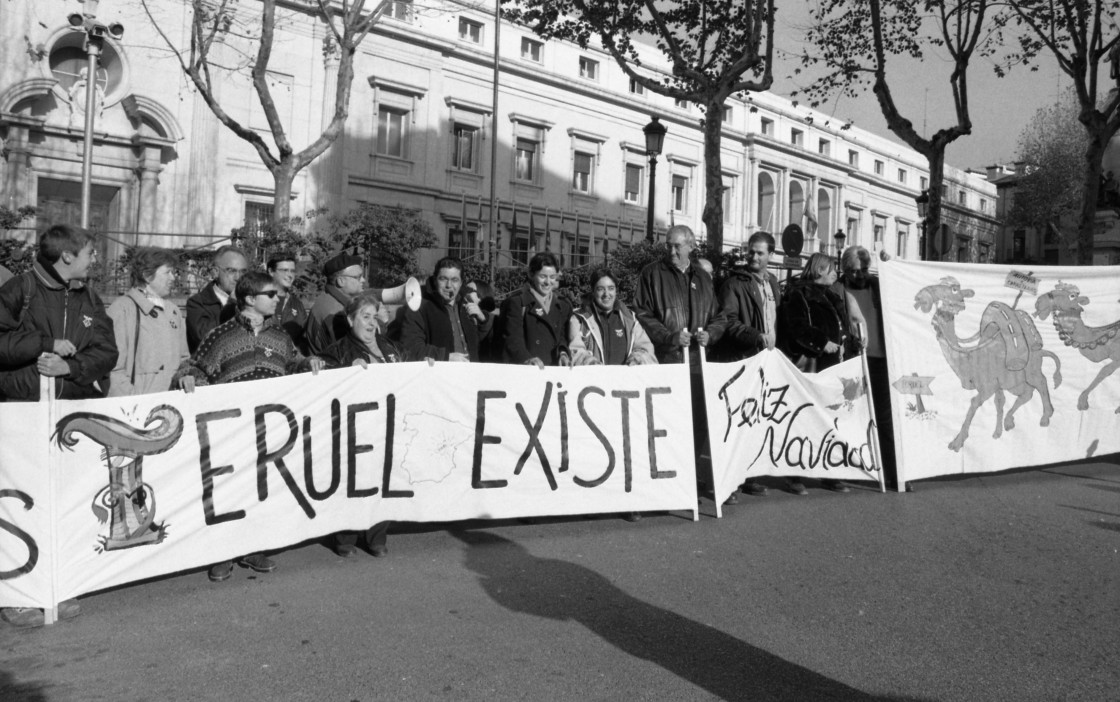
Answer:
[(427, 332), (810, 316), (204, 312), (743, 310), (326, 322), (668, 300), (57, 310), (343, 353), (291, 315), (529, 332)]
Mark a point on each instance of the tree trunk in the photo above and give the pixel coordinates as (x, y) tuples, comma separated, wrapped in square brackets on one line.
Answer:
[(1087, 225), (935, 156), (713, 173), (284, 175)]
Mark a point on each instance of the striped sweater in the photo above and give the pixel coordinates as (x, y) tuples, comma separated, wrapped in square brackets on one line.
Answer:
[(232, 353)]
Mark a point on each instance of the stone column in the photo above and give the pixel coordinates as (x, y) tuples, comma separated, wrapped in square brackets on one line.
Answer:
[(148, 171)]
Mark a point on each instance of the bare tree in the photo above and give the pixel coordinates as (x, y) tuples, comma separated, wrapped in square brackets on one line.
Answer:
[(712, 46), (853, 40), (216, 23), (1083, 36)]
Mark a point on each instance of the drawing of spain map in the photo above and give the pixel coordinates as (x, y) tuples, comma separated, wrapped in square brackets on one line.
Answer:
[(436, 447)]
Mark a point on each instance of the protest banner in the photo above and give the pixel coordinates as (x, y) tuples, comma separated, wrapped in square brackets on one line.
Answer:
[(131, 488), (994, 367), (765, 417)]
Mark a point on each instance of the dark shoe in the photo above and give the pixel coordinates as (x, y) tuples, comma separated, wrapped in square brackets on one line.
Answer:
[(221, 571), (797, 487), (836, 485), (632, 516), (258, 562), (752, 488), (68, 609), (733, 500), (23, 617), (379, 551), (345, 550)]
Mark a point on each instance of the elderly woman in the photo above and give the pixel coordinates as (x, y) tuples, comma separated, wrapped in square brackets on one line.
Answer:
[(813, 327), (604, 331), (535, 318), (150, 331), (365, 344)]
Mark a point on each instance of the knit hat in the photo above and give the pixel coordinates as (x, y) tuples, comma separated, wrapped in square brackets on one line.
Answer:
[(340, 263)]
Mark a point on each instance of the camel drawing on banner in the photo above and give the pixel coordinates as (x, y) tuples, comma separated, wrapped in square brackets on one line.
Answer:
[(127, 502), (1097, 344), (1004, 355)]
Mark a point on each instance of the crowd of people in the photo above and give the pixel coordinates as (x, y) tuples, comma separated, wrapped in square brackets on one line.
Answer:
[(247, 324)]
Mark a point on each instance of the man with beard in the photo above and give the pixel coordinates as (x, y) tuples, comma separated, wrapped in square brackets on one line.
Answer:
[(857, 281), (749, 304)]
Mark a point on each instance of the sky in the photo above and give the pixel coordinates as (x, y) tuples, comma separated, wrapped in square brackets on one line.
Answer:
[(999, 107)]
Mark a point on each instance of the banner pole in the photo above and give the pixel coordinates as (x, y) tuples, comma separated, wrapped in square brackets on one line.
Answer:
[(876, 450), (48, 410), (719, 507)]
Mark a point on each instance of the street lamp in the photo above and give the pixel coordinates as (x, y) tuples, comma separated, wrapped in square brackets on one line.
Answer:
[(923, 209), (95, 32), (839, 238), (655, 140)]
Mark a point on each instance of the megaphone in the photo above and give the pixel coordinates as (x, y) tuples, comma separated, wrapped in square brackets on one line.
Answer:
[(407, 294)]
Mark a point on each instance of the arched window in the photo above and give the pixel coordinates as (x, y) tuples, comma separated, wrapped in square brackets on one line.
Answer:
[(766, 201)]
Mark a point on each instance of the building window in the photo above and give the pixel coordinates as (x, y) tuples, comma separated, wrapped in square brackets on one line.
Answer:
[(1019, 246), (983, 205), (879, 165), (681, 104), (581, 172), (636, 88), (824, 147), (588, 68), (465, 148), (725, 113), (963, 252), (900, 246), (902, 176), (853, 230), (797, 137), (635, 177), (728, 196), (853, 158), (877, 234), (469, 30), (679, 194), (257, 216), (923, 183), (399, 10), (531, 49), (527, 160), (392, 132), (962, 198), (767, 127), (461, 245)]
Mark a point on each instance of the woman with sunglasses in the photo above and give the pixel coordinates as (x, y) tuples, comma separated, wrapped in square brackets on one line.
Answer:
[(251, 346)]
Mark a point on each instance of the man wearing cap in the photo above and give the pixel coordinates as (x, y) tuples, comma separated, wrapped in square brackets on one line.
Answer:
[(211, 306), (326, 322), (748, 301)]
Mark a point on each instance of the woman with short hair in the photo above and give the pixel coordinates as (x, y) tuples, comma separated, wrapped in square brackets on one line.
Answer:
[(535, 318), (604, 331), (149, 329)]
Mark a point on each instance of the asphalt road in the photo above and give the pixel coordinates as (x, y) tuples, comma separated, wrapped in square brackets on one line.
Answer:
[(999, 587)]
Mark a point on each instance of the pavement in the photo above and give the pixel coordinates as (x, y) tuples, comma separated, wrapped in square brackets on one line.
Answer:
[(994, 587)]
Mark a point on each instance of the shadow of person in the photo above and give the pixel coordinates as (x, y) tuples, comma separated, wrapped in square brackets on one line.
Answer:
[(709, 658)]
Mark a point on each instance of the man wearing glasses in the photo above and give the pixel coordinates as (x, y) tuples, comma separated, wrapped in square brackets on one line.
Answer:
[(327, 323), (290, 312), (212, 305)]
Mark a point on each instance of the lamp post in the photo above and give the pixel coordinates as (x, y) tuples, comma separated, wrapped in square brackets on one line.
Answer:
[(922, 200), (86, 22), (839, 238), (655, 140)]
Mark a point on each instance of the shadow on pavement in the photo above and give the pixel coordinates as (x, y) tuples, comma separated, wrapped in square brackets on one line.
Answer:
[(707, 657), (12, 691)]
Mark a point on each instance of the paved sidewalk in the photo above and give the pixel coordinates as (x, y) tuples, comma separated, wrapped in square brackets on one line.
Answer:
[(981, 588)]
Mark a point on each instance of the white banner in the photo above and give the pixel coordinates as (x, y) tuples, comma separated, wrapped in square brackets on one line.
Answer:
[(765, 417), (155, 484), (996, 367)]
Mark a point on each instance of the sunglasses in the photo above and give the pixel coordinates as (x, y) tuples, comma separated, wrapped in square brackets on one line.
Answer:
[(270, 293)]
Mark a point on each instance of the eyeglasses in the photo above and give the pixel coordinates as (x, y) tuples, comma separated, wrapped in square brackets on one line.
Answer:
[(238, 272), (360, 276), (270, 293)]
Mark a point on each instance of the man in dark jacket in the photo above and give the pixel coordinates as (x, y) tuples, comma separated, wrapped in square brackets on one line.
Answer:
[(212, 305), (290, 312), (749, 304), (676, 305), (52, 324), (326, 322), (443, 328)]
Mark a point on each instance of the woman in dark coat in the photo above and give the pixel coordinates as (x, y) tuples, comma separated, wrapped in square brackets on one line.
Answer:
[(535, 318), (365, 344)]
